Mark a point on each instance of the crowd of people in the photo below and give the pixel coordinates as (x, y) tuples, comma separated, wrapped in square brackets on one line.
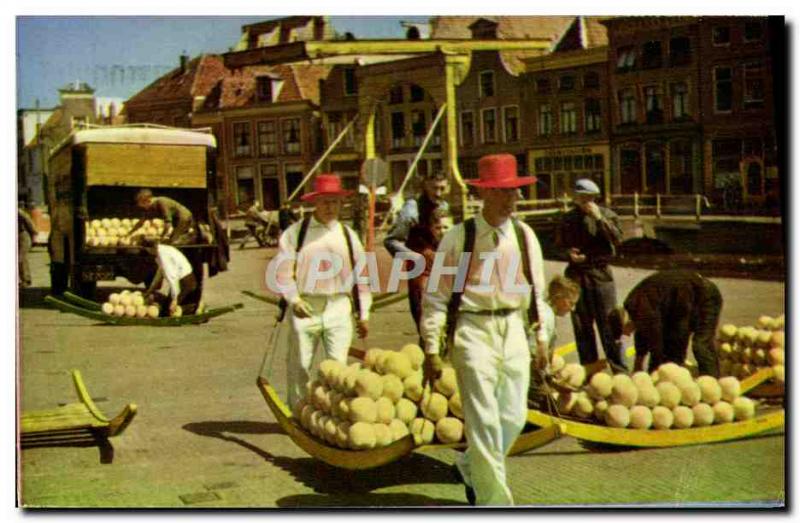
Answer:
[(493, 317), (493, 335)]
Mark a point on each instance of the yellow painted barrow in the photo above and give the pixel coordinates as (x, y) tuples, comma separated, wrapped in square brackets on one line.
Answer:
[(74, 422), (367, 459), (768, 420)]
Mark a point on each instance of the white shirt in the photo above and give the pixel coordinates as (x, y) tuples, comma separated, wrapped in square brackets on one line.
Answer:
[(323, 242), (174, 265), (498, 293), (548, 321)]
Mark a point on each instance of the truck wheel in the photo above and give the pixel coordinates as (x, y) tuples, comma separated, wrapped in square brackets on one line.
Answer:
[(59, 278)]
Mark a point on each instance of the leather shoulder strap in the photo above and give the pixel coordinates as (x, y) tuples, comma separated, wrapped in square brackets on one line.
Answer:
[(522, 242), (356, 297)]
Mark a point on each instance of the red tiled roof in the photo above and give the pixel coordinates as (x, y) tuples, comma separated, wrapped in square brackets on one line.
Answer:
[(198, 79), (300, 82), (508, 27)]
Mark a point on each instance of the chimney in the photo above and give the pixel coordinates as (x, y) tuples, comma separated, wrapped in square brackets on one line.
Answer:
[(184, 61), (484, 29)]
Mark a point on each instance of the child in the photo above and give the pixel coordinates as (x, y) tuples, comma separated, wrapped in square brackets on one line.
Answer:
[(423, 239), (562, 295)]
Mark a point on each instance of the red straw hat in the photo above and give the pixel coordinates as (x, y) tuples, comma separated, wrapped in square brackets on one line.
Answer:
[(499, 171), (326, 184)]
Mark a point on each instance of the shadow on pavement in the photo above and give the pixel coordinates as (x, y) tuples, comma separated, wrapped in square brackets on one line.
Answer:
[(323, 478), (85, 439), (388, 500), (33, 298)]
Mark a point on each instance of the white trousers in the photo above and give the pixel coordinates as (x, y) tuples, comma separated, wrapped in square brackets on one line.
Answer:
[(492, 363), (331, 324)]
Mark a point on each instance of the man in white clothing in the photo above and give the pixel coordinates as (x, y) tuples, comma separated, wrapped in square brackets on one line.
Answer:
[(317, 279), (488, 323), (177, 271)]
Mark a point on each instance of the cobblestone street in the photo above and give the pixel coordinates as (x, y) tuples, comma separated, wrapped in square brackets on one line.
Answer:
[(204, 437)]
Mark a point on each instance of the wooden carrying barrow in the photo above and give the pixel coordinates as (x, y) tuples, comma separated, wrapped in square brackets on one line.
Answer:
[(90, 309), (367, 459), (74, 422), (768, 420)]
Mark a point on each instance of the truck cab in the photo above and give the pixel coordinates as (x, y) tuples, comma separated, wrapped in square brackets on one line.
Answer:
[(94, 177)]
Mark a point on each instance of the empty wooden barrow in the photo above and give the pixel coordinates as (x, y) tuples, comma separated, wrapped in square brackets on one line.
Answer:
[(74, 422)]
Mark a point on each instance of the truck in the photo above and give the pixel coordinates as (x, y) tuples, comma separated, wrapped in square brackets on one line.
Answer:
[(94, 176)]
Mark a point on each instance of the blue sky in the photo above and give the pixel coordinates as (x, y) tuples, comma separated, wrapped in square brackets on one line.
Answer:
[(119, 55)]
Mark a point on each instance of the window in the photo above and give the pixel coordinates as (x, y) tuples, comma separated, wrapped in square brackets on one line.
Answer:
[(511, 124), (294, 175), (753, 31), (267, 139), (592, 115), (566, 83), (467, 129), (723, 89), (489, 128), (654, 111), (245, 185), (651, 55), (291, 135), (627, 106), (591, 80), (264, 89), (680, 52), (568, 122), (396, 94), (654, 168), (545, 120), (398, 129), (721, 35), (241, 139), (436, 139), (336, 123), (486, 84), (543, 85), (350, 83), (626, 58), (78, 122), (680, 101), (418, 127), (417, 93), (753, 85)]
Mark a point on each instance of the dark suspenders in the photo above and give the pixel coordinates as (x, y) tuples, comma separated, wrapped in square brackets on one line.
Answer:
[(354, 290), (301, 237), (455, 297)]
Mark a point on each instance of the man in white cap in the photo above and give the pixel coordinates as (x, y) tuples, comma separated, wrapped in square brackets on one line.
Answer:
[(488, 322), (318, 282), (590, 234)]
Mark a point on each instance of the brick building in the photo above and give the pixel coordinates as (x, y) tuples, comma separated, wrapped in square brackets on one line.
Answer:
[(490, 98), (692, 107), (265, 118), (738, 109), (565, 103)]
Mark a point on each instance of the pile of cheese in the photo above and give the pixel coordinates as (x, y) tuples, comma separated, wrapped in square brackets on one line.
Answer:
[(370, 405), (668, 398), (744, 350), (130, 304), (115, 232)]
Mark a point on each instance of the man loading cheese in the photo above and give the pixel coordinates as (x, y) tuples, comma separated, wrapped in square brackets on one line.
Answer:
[(488, 323)]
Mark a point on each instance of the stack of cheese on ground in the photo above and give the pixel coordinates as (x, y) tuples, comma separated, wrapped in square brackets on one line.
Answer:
[(668, 398), (369, 405), (114, 232), (744, 350), (131, 304)]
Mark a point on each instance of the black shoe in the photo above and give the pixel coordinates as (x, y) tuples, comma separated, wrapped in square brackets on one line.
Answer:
[(469, 492)]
